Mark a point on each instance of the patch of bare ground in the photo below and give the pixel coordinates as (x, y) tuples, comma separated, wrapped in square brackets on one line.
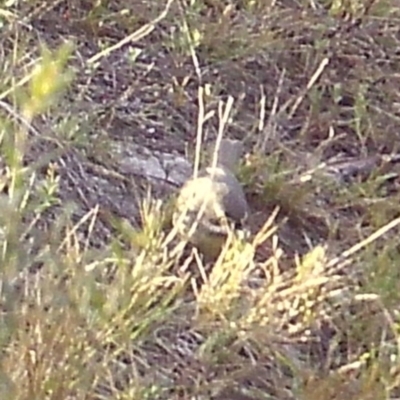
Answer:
[(95, 305)]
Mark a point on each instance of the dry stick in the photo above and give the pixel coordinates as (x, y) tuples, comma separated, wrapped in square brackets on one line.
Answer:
[(199, 135), (91, 227), (92, 213), (358, 246), (301, 96), (223, 119), (40, 9), (190, 40), (223, 114), (144, 31), (201, 116), (20, 148), (19, 118), (201, 119), (20, 83), (200, 122), (310, 84), (272, 115), (261, 119), (267, 229)]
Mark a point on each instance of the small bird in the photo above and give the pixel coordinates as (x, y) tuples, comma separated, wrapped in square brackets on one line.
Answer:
[(210, 205)]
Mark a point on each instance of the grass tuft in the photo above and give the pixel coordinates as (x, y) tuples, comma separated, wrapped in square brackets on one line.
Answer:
[(99, 299)]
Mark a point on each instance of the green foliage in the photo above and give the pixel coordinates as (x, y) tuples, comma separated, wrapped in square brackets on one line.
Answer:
[(305, 307), (48, 80)]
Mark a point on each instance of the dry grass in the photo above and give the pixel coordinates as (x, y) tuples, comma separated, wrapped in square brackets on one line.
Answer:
[(98, 302)]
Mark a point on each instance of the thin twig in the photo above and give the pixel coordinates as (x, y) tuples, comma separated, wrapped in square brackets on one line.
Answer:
[(310, 84), (272, 116), (144, 31), (223, 115), (199, 135), (364, 243)]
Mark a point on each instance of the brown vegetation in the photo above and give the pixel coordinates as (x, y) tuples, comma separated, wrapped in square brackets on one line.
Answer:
[(98, 299)]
